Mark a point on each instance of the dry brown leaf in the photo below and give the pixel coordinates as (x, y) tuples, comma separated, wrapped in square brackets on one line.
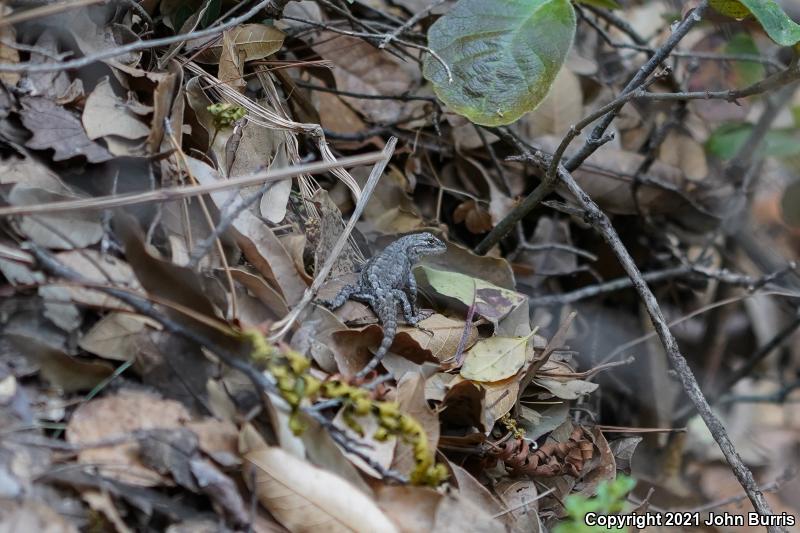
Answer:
[(337, 116), (30, 172), (244, 43), (464, 403), (60, 302), (607, 177), (352, 347), (438, 336), (101, 502), (304, 498), (519, 496), (54, 127), (63, 231), (500, 398), (683, 152), (474, 216), (52, 85), (61, 370), (31, 515), (324, 453), (119, 416), (456, 514), (165, 96), (604, 467), (115, 336), (412, 508), (362, 68), (561, 108), (263, 291), (107, 114)]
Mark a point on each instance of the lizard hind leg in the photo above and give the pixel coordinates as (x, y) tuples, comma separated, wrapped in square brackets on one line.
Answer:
[(344, 294)]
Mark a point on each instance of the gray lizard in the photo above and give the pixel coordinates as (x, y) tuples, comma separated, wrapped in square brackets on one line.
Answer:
[(387, 282)]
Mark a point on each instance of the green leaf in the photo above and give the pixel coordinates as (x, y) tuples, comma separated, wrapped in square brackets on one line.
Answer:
[(608, 4), (503, 56), (769, 14), (491, 302), (747, 72), (726, 141), (495, 358)]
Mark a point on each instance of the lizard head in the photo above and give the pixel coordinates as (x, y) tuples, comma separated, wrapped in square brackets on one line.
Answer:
[(425, 243)]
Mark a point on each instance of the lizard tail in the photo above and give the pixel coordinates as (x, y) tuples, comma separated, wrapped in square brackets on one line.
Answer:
[(388, 338)]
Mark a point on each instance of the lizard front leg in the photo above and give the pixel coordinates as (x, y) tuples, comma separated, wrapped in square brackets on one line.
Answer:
[(410, 314), (411, 284)]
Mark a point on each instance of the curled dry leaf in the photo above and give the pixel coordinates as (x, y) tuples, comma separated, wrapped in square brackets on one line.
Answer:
[(244, 43), (305, 498)]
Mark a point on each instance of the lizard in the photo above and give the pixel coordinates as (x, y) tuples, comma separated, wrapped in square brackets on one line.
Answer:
[(386, 281)]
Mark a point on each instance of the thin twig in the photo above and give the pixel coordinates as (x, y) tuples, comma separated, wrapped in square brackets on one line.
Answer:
[(779, 79), (178, 193)]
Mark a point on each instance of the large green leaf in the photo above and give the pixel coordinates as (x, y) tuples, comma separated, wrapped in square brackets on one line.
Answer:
[(769, 14), (726, 141), (503, 56)]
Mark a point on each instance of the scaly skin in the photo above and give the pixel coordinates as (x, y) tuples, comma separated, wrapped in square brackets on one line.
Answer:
[(387, 281)]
